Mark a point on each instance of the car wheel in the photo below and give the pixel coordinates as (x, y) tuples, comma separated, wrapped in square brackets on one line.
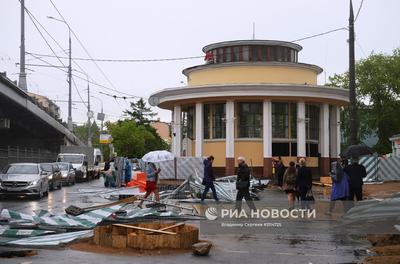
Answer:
[(40, 194)]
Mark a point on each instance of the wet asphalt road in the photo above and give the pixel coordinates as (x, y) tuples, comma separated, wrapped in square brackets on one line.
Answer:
[(316, 246)]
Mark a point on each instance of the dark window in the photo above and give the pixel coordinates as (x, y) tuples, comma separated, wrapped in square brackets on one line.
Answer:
[(220, 56), (272, 52), (214, 121), (227, 54), (312, 150), (254, 53), (236, 53), (264, 53), (280, 120), (219, 121), (188, 122), (245, 53), (293, 120), (280, 149), (312, 122), (207, 121), (293, 149), (250, 120)]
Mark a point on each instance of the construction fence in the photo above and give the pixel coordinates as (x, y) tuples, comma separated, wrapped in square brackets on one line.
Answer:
[(181, 168), (9, 154), (381, 169)]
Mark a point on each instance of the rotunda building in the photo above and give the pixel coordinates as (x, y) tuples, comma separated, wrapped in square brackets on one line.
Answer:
[(253, 98)]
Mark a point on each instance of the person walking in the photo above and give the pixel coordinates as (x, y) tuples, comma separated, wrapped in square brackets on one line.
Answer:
[(289, 184), (340, 185), (243, 185), (128, 171), (304, 183), (356, 174), (209, 178), (151, 182), (280, 171)]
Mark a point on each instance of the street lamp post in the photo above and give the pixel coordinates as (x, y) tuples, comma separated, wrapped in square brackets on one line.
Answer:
[(102, 119), (70, 127)]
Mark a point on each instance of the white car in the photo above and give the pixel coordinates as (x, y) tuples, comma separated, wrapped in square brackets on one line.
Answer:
[(24, 179)]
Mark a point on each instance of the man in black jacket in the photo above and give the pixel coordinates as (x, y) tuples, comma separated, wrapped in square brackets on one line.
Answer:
[(208, 179), (243, 185), (303, 183), (356, 173)]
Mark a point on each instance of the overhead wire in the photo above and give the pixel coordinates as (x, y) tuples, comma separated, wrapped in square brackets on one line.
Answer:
[(359, 9), (86, 51)]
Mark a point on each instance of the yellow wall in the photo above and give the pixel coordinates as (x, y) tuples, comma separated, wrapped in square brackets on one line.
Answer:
[(217, 149), (252, 74), (251, 150), (310, 161)]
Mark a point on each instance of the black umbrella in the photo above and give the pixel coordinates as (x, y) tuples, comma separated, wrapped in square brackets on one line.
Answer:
[(356, 151)]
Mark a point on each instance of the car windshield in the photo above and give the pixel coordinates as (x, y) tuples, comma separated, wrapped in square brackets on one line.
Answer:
[(63, 166), (22, 169), (46, 167), (70, 158)]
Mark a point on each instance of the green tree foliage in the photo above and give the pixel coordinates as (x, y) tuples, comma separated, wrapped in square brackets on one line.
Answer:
[(133, 140), (82, 131), (378, 97), (140, 113)]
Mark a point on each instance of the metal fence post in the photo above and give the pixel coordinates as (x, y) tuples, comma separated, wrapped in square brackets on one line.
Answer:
[(8, 154)]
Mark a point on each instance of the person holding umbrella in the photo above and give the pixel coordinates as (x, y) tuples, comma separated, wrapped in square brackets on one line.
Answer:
[(356, 174)]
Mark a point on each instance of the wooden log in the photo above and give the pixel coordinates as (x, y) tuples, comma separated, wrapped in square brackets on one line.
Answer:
[(167, 204), (145, 229), (170, 227)]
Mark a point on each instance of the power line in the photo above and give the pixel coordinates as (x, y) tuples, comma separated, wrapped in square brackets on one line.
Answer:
[(60, 68), (125, 60), (84, 48), (120, 97), (359, 9), (33, 19), (172, 59), (320, 34)]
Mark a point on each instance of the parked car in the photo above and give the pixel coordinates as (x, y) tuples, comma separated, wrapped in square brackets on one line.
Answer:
[(67, 173), (54, 174), (24, 179)]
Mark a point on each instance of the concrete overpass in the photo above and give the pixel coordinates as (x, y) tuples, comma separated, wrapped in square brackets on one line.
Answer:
[(24, 124)]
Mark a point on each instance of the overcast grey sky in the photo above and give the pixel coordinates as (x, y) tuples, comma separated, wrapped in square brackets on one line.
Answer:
[(123, 29)]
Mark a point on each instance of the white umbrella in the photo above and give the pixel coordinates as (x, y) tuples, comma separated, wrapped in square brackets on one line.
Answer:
[(158, 156)]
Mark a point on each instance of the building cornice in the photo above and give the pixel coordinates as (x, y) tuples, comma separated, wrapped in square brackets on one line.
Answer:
[(252, 42), (241, 91)]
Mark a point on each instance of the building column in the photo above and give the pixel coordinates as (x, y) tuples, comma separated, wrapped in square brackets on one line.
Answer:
[(177, 131), (335, 132), (267, 138), (172, 132), (301, 129), (230, 138), (338, 134), (199, 130), (324, 140)]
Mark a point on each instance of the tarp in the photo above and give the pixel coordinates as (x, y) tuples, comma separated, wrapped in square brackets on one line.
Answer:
[(51, 240), (11, 232), (86, 220)]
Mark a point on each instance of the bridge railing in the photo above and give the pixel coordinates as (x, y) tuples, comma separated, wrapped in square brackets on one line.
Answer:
[(13, 154)]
